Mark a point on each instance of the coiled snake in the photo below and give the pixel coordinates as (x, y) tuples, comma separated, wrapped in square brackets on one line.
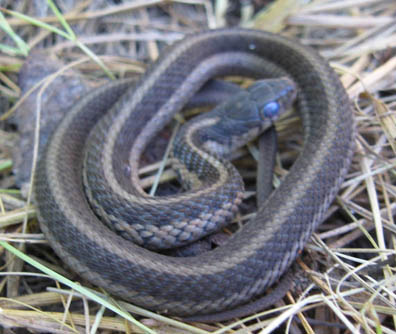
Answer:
[(257, 255)]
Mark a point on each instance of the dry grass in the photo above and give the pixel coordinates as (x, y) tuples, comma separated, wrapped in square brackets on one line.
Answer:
[(349, 263)]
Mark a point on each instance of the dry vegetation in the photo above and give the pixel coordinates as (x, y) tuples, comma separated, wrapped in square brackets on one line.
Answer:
[(347, 271)]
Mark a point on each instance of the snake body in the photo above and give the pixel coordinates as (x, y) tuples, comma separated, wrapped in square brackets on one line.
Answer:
[(199, 149), (257, 255)]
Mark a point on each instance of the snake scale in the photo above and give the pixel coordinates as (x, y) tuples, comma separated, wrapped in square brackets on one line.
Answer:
[(256, 256)]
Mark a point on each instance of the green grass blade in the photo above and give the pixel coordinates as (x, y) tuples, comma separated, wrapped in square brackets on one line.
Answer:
[(95, 58), (23, 48), (62, 20), (75, 286), (38, 23)]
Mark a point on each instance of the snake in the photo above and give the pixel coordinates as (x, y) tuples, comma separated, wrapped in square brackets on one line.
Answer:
[(100, 142)]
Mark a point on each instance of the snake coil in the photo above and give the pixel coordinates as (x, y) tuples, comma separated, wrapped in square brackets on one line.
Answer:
[(255, 257)]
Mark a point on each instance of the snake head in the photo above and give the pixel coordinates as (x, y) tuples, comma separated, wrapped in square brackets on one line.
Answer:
[(272, 97), (255, 109), (244, 116)]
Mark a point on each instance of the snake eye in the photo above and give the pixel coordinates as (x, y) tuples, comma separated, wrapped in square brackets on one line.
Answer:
[(271, 109)]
